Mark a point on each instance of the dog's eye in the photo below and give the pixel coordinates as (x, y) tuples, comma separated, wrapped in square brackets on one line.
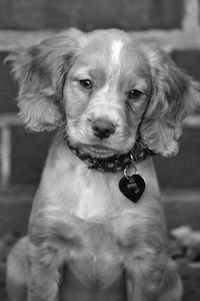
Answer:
[(134, 94), (86, 83)]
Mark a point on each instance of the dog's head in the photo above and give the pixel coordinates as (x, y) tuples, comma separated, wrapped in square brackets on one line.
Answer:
[(104, 89)]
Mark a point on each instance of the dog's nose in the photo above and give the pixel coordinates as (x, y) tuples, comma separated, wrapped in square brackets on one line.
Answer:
[(103, 128)]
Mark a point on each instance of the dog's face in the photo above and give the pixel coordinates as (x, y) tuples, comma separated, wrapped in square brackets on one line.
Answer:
[(104, 89), (106, 94)]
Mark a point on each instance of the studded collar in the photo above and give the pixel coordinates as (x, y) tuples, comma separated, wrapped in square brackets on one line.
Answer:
[(115, 163)]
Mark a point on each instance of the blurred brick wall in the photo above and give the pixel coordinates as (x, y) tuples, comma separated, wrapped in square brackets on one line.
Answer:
[(91, 14), (174, 24)]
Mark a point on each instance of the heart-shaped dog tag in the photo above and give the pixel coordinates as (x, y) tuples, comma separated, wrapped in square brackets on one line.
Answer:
[(132, 187)]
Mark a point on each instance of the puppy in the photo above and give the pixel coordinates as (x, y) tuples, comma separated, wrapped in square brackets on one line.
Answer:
[(97, 230)]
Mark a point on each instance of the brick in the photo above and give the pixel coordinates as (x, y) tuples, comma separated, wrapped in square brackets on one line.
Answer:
[(28, 155), (181, 171), (91, 14), (15, 207), (187, 60), (8, 88), (182, 212)]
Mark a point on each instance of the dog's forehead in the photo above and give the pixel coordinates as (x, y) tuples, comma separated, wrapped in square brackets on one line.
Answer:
[(116, 51)]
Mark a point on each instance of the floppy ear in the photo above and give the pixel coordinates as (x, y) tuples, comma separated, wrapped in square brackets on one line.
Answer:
[(40, 71), (174, 96)]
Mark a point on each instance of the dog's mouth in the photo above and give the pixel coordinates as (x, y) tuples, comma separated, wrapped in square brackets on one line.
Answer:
[(98, 150)]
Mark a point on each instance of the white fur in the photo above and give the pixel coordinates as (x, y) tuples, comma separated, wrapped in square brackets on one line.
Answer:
[(88, 193), (89, 183), (116, 48)]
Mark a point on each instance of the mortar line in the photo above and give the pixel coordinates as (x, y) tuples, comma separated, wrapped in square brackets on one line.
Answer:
[(5, 156), (190, 20)]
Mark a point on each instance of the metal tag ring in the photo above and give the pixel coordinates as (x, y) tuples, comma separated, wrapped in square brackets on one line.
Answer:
[(126, 170)]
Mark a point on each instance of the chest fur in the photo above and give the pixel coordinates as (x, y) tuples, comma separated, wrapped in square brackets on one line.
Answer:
[(86, 193), (100, 250)]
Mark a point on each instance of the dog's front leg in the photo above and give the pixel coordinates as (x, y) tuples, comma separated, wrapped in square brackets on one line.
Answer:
[(145, 274), (46, 258), (44, 275), (52, 236)]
